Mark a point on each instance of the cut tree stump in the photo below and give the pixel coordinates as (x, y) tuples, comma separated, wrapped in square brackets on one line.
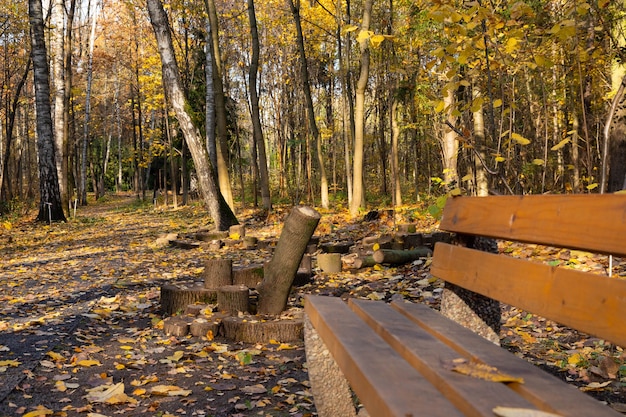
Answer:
[(176, 297), (217, 273), (252, 330), (250, 276), (237, 230), (250, 242), (398, 257), (176, 326), (201, 327), (329, 262), (233, 299)]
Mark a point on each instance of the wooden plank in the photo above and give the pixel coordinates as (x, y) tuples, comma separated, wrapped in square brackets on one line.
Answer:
[(542, 389), (592, 303), (382, 380), (435, 360), (596, 223)]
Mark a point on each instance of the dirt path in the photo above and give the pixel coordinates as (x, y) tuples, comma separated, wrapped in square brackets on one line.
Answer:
[(79, 311)]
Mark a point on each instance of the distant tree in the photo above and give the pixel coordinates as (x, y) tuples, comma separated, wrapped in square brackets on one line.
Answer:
[(50, 205), (218, 208)]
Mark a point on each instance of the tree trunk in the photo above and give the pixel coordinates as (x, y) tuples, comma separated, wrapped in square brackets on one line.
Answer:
[(256, 116), (359, 114), (304, 74), (395, 169), (220, 109), (50, 205), (218, 208), (281, 270), (58, 73), (210, 98), (83, 163), (449, 142), (482, 186)]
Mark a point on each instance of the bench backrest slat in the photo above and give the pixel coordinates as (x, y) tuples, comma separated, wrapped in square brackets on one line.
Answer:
[(595, 223), (592, 303)]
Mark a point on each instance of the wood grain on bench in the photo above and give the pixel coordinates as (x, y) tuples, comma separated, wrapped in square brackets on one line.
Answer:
[(595, 304), (595, 223)]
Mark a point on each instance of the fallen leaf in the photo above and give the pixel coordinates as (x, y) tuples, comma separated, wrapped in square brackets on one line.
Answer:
[(109, 394), (39, 411), (484, 371), (88, 362), (254, 389), (521, 412), (169, 391), (10, 362)]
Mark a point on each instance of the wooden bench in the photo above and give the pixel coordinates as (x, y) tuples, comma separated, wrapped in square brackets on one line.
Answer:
[(398, 358)]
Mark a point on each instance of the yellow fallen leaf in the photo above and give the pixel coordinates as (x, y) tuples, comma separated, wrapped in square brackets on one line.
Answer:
[(10, 362), (169, 390), (176, 356), (139, 391), (55, 356), (60, 386), (109, 394), (126, 340), (88, 362), (39, 411), (484, 371), (126, 347), (575, 359), (521, 412)]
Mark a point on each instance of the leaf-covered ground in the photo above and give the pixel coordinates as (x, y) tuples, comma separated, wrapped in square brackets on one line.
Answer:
[(80, 330)]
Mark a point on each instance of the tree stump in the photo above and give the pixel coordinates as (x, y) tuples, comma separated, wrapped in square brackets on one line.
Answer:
[(217, 273), (253, 330), (233, 299), (176, 298), (250, 242), (337, 247), (238, 230), (250, 276), (329, 262), (176, 326), (281, 270), (201, 327)]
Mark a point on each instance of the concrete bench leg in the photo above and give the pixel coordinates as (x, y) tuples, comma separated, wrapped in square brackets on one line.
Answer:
[(331, 392)]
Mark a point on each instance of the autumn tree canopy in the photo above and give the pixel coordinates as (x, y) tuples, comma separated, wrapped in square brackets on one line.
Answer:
[(323, 102)]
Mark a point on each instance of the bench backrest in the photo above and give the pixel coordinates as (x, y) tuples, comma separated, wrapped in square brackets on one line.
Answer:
[(592, 303)]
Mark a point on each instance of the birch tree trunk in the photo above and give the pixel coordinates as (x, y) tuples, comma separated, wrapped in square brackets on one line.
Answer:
[(57, 38), (83, 162), (210, 98), (50, 205), (218, 208), (220, 109), (294, 5), (449, 142), (256, 115), (482, 185), (359, 113)]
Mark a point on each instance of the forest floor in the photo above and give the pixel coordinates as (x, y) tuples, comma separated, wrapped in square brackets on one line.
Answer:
[(81, 332)]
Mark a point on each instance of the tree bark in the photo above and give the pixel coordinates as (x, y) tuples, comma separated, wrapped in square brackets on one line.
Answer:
[(359, 114), (256, 116), (50, 204), (220, 109), (220, 211), (449, 142), (60, 128), (281, 270), (304, 75)]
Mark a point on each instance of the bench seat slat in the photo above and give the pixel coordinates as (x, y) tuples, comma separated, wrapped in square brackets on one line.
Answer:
[(379, 376), (592, 303), (595, 223), (475, 397), (539, 387)]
